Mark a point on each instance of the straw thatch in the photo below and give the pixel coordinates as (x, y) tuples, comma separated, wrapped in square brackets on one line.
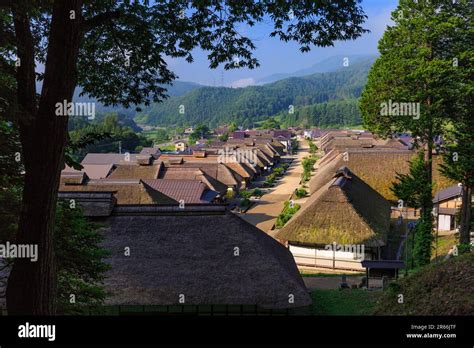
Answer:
[(345, 210), (124, 192), (194, 256), (135, 171), (377, 167)]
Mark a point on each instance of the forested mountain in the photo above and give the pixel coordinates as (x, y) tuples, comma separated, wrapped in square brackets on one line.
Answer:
[(245, 106), (326, 65)]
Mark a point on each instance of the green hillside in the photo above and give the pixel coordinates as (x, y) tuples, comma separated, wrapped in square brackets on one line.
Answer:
[(436, 289), (325, 99)]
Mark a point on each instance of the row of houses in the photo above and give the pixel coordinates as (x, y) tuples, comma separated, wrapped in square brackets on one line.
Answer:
[(185, 248), (203, 174), (350, 214)]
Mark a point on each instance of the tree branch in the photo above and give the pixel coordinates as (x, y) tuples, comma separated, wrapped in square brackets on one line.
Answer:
[(100, 19)]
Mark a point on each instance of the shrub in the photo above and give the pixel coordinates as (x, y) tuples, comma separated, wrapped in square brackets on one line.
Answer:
[(245, 203), (270, 178), (288, 211), (246, 193), (301, 192), (278, 171)]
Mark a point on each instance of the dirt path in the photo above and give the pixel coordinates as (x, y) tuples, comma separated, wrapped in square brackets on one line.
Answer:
[(264, 213)]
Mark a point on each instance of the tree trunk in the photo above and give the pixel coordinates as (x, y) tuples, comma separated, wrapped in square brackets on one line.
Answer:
[(465, 226), (31, 285)]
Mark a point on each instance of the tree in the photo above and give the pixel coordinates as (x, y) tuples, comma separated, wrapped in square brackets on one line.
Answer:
[(80, 265), (200, 132), (458, 149), (270, 123), (459, 166), (232, 127), (412, 87), (114, 51), (414, 189)]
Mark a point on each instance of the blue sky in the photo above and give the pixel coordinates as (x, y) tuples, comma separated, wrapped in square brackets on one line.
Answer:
[(276, 56)]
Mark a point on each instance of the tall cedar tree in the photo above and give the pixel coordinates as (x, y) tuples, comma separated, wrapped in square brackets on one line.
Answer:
[(413, 189), (89, 43), (458, 146), (416, 65)]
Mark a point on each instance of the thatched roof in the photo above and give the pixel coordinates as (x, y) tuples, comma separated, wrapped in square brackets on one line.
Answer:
[(126, 192), (241, 169), (193, 255), (345, 210), (188, 191), (377, 167), (109, 158), (135, 171), (192, 173)]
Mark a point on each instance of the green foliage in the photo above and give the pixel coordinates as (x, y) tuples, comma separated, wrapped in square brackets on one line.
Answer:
[(224, 137), (423, 241), (270, 180), (245, 193), (257, 192), (160, 136), (340, 112), (443, 288), (245, 203), (11, 180), (301, 192), (278, 171), (232, 127), (104, 136), (312, 147), (422, 61), (343, 302), (200, 132), (327, 99), (414, 189), (80, 266), (270, 123), (308, 163), (288, 211)]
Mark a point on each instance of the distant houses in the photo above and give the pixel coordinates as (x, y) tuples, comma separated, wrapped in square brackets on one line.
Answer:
[(186, 247)]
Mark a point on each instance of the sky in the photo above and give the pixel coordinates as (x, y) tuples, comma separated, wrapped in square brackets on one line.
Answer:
[(276, 56)]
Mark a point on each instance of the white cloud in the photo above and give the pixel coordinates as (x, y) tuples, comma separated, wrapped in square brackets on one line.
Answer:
[(242, 83)]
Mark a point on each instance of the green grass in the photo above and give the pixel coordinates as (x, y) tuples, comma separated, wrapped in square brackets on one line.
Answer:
[(343, 302)]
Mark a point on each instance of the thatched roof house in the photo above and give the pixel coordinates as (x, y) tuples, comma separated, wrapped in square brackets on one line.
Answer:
[(377, 167), (345, 210), (204, 258)]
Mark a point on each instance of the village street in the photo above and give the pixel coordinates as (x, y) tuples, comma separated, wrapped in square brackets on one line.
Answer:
[(265, 211)]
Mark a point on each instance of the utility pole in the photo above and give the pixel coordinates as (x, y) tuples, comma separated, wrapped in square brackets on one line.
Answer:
[(120, 147)]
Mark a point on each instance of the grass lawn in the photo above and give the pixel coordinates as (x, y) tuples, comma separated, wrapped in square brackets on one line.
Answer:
[(343, 302)]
